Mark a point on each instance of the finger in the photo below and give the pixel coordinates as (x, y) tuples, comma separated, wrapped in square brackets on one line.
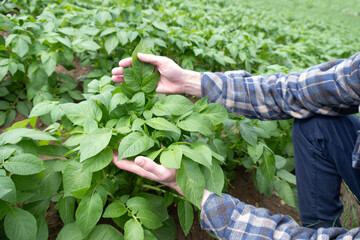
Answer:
[(117, 71), (151, 166), (117, 78), (131, 166), (126, 62), (150, 58)]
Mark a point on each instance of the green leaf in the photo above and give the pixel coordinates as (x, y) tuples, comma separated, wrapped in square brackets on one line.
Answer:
[(7, 189), (88, 148), (76, 182), (162, 124), (47, 185), (43, 231), (131, 80), (123, 38), (2, 117), (160, 25), (191, 181), (186, 216), (105, 232), (197, 123), (13, 67), (248, 133), (287, 176), (173, 105), (217, 113), (20, 224), (3, 90), (138, 203), (20, 47), (70, 232), (6, 152), (199, 154), (115, 209), (23, 108), (89, 212), (79, 113), (149, 219), (150, 82), (4, 105), (285, 192), (99, 161), (49, 61), (52, 150), (89, 45), (24, 164), (108, 31), (262, 184), (133, 230), (157, 205), (76, 95), (103, 16), (214, 178), (66, 207), (267, 167), (4, 209), (148, 235), (3, 71), (166, 232), (37, 75), (117, 99), (220, 147), (280, 162), (20, 124), (14, 136), (141, 69), (111, 43), (134, 144), (171, 158), (255, 152), (9, 118), (104, 98), (37, 209)]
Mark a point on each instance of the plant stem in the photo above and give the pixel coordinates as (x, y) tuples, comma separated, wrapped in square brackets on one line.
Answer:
[(163, 191)]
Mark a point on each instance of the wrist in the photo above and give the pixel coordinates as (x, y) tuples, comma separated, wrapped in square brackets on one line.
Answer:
[(205, 197), (192, 83)]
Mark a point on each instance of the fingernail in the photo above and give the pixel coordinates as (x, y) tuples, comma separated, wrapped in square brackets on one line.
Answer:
[(139, 161)]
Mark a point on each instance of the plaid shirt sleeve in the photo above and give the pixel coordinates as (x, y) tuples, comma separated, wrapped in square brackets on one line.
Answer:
[(228, 218), (331, 88)]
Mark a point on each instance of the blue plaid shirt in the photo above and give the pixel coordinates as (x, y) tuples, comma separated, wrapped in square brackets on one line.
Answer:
[(228, 218), (331, 88)]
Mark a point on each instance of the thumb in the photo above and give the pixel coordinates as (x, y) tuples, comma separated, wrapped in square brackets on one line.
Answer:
[(150, 58)]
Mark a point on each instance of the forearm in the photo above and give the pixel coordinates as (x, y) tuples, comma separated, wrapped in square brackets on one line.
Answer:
[(331, 88), (228, 218)]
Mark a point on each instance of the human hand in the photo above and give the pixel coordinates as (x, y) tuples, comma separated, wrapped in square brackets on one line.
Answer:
[(147, 168), (173, 78)]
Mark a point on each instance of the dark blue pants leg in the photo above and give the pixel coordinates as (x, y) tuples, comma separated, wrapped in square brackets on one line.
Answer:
[(323, 148)]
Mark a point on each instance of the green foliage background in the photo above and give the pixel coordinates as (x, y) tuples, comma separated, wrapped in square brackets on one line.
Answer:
[(259, 36)]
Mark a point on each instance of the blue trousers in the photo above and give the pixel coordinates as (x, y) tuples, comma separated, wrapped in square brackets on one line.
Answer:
[(323, 148)]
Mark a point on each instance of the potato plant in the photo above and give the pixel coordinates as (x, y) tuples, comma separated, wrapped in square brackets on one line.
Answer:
[(38, 36), (80, 178)]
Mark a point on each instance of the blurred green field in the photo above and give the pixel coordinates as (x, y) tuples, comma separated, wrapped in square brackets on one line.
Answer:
[(332, 12)]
